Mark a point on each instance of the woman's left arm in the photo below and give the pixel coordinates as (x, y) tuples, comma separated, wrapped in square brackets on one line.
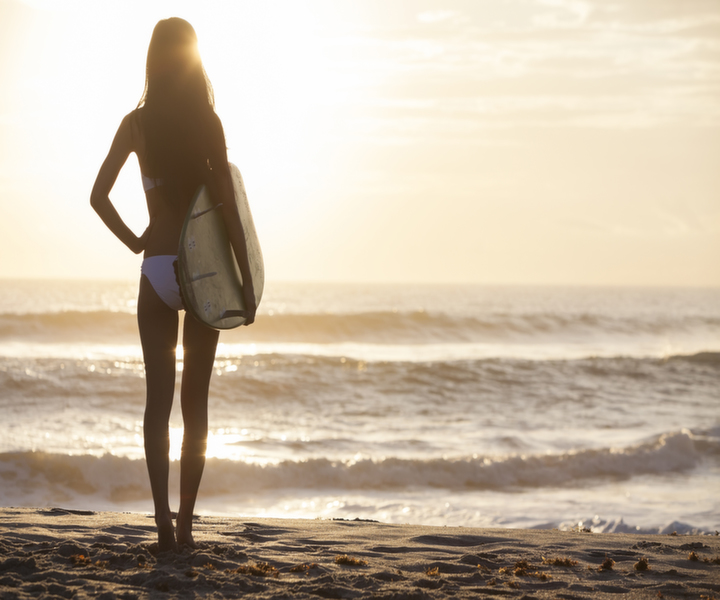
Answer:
[(121, 148), (221, 189), (236, 235)]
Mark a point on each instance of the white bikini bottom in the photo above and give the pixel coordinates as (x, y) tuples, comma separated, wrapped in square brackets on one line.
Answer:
[(160, 272)]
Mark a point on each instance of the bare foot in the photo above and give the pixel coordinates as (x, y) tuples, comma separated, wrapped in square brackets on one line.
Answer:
[(184, 534), (166, 535)]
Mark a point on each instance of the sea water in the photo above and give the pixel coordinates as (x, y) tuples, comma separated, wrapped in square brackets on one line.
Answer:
[(440, 405)]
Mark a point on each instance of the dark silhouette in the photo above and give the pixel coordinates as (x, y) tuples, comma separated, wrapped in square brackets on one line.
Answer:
[(180, 145)]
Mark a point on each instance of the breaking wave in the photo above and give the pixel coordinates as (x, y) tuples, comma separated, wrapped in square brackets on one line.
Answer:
[(381, 327), (42, 478)]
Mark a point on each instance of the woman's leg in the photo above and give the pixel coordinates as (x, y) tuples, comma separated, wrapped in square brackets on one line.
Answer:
[(199, 344), (158, 326)]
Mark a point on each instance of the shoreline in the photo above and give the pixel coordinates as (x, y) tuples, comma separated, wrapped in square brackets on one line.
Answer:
[(57, 552)]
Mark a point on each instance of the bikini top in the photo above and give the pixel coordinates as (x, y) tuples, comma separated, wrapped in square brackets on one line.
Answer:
[(150, 182)]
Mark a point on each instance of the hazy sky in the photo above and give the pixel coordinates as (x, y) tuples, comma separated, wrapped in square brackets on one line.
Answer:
[(489, 141)]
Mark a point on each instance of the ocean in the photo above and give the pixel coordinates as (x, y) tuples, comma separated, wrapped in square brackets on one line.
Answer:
[(478, 406)]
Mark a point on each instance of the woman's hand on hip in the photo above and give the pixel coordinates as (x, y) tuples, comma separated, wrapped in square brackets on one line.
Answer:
[(141, 242)]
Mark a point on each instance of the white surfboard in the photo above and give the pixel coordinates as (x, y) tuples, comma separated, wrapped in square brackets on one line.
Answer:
[(209, 275)]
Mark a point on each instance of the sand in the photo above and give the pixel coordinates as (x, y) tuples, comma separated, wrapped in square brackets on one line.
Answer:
[(56, 553)]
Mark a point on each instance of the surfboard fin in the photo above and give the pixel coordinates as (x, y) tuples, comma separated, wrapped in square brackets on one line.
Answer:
[(233, 313)]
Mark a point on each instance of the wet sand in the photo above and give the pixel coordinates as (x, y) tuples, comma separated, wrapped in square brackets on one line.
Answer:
[(56, 553)]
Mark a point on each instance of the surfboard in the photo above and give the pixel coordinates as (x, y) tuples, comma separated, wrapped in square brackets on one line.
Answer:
[(210, 278)]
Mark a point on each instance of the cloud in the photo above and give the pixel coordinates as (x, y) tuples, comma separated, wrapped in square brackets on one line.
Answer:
[(632, 63), (571, 13), (435, 16)]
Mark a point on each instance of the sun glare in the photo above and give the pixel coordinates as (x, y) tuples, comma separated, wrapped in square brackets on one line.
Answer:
[(419, 142), (221, 444), (280, 97)]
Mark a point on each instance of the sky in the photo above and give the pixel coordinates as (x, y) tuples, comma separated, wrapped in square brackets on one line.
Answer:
[(558, 142)]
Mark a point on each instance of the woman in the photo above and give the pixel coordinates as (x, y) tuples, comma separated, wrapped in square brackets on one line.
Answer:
[(180, 144)]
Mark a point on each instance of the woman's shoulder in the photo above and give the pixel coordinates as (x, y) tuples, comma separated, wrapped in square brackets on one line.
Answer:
[(217, 129), (132, 120), (213, 121), (134, 117), (131, 125)]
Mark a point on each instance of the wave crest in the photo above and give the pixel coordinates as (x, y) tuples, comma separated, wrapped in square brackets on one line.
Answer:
[(43, 478), (380, 327)]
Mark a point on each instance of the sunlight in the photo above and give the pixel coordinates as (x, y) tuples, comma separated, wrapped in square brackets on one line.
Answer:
[(406, 123), (223, 444), (176, 435), (279, 96)]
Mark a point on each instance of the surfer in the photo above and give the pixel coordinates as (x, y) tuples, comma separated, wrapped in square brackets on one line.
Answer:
[(180, 144)]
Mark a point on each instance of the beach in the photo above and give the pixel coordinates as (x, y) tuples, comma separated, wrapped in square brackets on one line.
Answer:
[(81, 554), (373, 442)]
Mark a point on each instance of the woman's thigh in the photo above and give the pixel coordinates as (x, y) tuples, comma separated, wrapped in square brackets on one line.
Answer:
[(158, 325), (199, 345)]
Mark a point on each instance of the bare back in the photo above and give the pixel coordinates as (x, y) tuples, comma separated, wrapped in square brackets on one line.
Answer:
[(166, 213)]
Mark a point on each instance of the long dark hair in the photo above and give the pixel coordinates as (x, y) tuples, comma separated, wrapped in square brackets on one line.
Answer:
[(183, 136)]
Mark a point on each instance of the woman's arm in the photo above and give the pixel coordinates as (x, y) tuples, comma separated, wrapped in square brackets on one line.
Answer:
[(223, 192), (121, 148), (226, 195)]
